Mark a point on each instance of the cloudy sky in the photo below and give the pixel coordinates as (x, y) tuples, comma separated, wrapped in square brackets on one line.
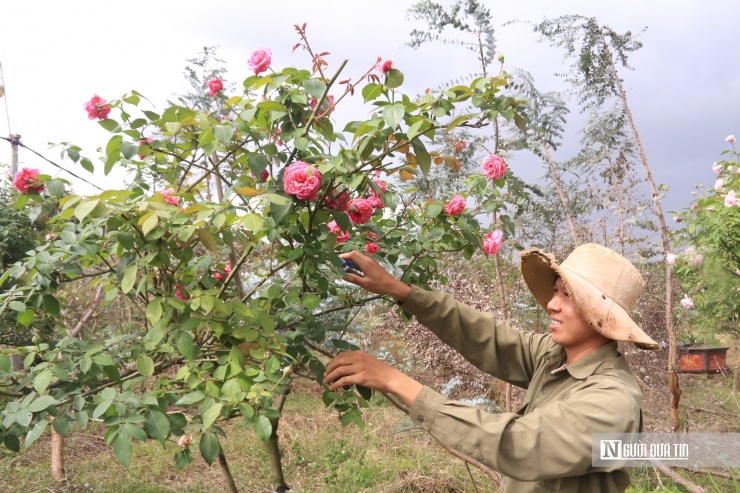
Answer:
[(684, 90)]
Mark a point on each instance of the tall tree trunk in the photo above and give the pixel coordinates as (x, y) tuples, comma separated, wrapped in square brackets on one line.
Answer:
[(672, 341), (620, 210), (227, 472), (57, 453), (563, 200), (273, 449)]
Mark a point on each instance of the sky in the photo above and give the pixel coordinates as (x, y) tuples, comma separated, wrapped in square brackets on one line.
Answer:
[(684, 90)]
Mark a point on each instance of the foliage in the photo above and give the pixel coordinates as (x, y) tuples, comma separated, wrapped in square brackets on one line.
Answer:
[(709, 270), (466, 16), (217, 343)]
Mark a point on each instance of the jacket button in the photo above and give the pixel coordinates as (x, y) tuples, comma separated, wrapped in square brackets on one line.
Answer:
[(544, 391), (420, 419)]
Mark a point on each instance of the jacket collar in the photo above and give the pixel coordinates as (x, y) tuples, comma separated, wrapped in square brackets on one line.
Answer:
[(589, 364)]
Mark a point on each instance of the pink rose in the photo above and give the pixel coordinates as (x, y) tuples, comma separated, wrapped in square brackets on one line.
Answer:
[(184, 441), (730, 139), (169, 196), (731, 199), (455, 206), (302, 180), (98, 108), (360, 211), (326, 106), (381, 184), (25, 181), (214, 86), (385, 65), (371, 247), (493, 167), (686, 302), (670, 258), (719, 185), (260, 60), (717, 168), (181, 293), (143, 143), (376, 201), (492, 241), (342, 236), (220, 277), (337, 201)]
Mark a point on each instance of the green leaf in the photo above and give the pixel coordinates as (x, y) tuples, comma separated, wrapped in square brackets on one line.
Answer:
[(301, 143), (18, 306), (148, 222), (433, 210), (4, 363), (101, 408), (224, 133), (190, 398), (394, 78), (252, 222), (154, 311), (129, 278), (457, 121), (25, 318), (60, 425), (210, 416), (310, 301), (157, 425), (110, 125), (12, 443), (55, 187), (209, 447), (51, 305), (208, 240), (129, 150), (85, 208), (122, 449), (35, 432), (314, 88), (183, 458), (393, 114), (272, 106), (371, 91), (185, 345), (263, 427), (145, 365), (135, 432), (257, 163), (278, 199), (87, 165), (113, 152), (41, 382), (41, 403)]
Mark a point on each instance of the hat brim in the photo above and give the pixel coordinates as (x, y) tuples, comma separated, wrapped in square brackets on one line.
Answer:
[(608, 318)]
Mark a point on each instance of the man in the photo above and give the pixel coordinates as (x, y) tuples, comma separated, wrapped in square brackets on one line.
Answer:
[(577, 383)]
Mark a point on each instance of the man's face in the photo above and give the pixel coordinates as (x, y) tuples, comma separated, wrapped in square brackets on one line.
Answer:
[(569, 328)]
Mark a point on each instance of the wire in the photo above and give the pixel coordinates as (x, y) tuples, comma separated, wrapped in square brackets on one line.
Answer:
[(53, 163)]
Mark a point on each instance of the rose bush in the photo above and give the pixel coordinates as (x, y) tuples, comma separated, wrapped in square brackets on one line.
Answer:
[(233, 337), (708, 268)]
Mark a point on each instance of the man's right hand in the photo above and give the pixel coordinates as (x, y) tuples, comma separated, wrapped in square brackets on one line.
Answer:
[(377, 280)]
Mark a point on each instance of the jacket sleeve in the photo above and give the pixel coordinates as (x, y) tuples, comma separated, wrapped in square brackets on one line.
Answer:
[(550, 442), (491, 345)]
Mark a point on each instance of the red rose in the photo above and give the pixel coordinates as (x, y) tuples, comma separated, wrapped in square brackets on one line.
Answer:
[(342, 236), (25, 181), (337, 201), (371, 247), (214, 86), (360, 211), (455, 206), (98, 108), (385, 65)]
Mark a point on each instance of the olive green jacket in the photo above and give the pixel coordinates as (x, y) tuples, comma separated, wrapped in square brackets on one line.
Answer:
[(546, 445)]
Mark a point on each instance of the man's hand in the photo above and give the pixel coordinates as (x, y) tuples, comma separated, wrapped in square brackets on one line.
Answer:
[(360, 368), (377, 280)]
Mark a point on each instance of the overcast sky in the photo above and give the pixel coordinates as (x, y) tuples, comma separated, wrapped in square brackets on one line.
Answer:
[(684, 91)]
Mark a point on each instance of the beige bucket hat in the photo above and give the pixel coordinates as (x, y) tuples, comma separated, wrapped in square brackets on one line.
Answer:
[(604, 286)]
